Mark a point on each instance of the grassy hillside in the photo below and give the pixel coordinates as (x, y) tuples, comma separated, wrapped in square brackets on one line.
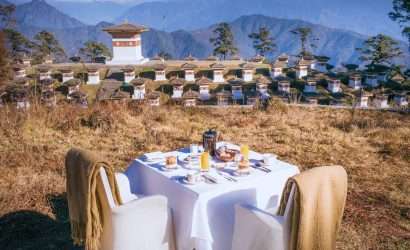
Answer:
[(373, 146)]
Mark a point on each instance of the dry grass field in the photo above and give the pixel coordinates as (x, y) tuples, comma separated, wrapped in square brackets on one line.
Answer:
[(373, 146)]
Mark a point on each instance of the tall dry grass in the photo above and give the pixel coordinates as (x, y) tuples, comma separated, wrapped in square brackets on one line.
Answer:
[(373, 146)]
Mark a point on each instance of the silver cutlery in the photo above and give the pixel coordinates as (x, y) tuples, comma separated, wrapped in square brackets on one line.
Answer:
[(229, 178), (262, 168)]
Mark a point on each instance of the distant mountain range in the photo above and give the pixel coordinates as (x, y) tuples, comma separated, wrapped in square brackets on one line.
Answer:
[(338, 44), (364, 16), (367, 17), (38, 13)]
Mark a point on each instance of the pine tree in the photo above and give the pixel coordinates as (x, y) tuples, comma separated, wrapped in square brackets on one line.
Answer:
[(17, 43), (401, 14), (305, 36), (380, 49), (165, 55), (224, 41), (93, 49), (6, 20), (47, 45), (263, 43), (5, 72)]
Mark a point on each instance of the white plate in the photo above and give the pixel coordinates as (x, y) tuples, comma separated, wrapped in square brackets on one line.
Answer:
[(165, 169)]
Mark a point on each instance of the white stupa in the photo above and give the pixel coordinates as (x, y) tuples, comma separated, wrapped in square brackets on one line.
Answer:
[(126, 44)]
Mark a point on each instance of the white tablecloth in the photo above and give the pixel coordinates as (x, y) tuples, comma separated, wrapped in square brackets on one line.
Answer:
[(204, 213)]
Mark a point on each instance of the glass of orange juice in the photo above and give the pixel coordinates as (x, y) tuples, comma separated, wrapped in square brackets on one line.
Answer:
[(205, 161), (245, 152)]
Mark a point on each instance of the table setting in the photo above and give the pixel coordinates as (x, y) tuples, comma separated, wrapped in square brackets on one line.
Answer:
[(204, 182)]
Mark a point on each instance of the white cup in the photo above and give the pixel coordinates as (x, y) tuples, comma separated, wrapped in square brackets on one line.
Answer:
[(193, 177)]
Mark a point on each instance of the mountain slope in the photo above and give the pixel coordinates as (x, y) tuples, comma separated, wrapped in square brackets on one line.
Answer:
[(365, 16), (339, 45), (91, 12), (38, 13)]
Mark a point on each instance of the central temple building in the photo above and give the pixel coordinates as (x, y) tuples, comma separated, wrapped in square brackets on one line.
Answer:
[(126, 44)]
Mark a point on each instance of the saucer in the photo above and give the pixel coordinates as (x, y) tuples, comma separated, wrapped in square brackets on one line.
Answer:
[(185, 181), (169, 168)]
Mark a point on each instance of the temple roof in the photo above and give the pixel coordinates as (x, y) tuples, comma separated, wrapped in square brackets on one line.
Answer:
[(66, 69), (188, 66), (159, 66), (126, 27), (283, 57), (212, 58), (128, 68), (190, 58), (279, 64), (283, 79), (236, 81), (257, 58), (263, 80), (78, 95), (355, 74), (217, 66), (43, 68), (18, 67), (204, 81), (247, 66), (139, 81), (224, 93), (92, 68), (153, 95), (72, 82), (157, 58), (177, 81), (190, 94), (46, 82), (236, 58)]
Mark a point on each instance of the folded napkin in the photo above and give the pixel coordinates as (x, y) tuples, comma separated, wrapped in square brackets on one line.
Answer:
[(154, 156)]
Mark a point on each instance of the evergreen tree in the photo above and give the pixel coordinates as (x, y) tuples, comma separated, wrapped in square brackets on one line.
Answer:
[(380, 49), (47, 45), (223, 41), (165, 55), (351, 67), (5, 71), (17, 43), (6, 20), (305, 36), (263, 43), (93, 49), (401, 14)]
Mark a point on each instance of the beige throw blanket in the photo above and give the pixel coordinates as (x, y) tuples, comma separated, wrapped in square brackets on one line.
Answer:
[(85, 194), (319, 201)]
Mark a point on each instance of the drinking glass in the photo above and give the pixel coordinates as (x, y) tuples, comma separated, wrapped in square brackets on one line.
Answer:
[(237, 159), (245, 152), (193, 149), (205, 161)]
